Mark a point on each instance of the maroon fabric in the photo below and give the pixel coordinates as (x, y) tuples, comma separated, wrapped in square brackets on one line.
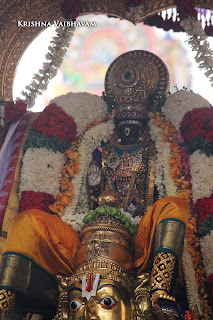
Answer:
[(71, 9)]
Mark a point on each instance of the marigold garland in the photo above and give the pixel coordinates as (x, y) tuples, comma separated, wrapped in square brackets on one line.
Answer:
[(169, 134), (71, 168)]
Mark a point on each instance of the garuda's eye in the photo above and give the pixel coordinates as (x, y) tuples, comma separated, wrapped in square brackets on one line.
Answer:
[(108, 302), (75, 305)]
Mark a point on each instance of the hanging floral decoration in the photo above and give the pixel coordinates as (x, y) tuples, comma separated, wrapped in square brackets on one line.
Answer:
[(193, 247), (197, 39), (55, 56), (197, 130), (41, 171), (14, 111), (72, 202), (204, 213), (35, 200), (53, 121), (71, 9), (168, 134)]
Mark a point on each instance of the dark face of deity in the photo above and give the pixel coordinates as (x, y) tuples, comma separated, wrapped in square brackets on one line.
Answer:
[(128, 133), (111, 302)]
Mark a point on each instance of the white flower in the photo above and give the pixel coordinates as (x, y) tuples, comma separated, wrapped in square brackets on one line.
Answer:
[(90, 141), (41, 171), (164, 182), (201, 168), (198, 41), (181, 102), (83, 107), (190, 280), (49, 69), (206, 244)]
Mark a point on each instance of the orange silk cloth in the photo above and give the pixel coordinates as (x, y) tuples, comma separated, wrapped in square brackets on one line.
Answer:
[(45, 239), (166, 208), (53, 244)]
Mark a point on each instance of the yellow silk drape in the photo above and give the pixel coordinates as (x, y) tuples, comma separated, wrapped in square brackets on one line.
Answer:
[(45, 239), (166, 208), (53, 244)]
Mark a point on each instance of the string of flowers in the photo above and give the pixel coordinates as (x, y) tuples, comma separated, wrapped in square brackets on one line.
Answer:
[(167, 134), (190, 280), (201, 166), (54, 57), (72, 202), (193, 247), (197, 39)]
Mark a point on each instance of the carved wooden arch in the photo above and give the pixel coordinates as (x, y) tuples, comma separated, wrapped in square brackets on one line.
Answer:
[(14, 40)]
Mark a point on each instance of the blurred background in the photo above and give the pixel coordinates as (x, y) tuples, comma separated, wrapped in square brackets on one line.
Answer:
[(92, 50)]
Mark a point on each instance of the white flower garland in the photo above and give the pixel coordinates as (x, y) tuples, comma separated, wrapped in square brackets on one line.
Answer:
[(2, 115), (41, 171), (74, 214), (181, 102), (201, 168), (55, 56), (190, 280), (206, 244), (83, 107), (198, 42), (163, 180)]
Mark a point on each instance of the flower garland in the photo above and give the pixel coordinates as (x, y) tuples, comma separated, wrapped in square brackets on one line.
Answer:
[(55, 56), (53, 121), (76, 104), (198, 42), (73, 184), (41, 171), (113, 212), (35, 200), (12, 112), (76, 202), (204, 212), (190, 280), (193, 247), (206, 244), (175, 182), (181, 102), (201, 168)]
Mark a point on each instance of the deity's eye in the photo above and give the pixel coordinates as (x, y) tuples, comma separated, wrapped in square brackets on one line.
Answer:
[(107, 302), (75, 305)]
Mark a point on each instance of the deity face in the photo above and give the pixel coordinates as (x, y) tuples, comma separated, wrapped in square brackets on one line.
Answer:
[(128, 133), (111, 302)]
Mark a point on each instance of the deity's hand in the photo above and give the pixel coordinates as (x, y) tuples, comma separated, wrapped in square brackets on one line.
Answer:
[(94, 174), (156, 313)]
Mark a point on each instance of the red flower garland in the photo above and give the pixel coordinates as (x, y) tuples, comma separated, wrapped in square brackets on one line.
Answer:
[(204, 208), (15, 111), (198, 121), (35, 200), (53, 121)]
